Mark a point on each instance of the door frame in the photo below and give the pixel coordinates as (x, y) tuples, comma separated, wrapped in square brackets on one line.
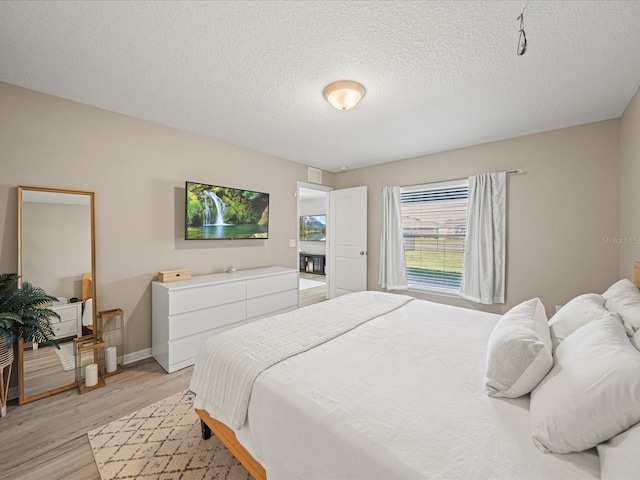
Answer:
[(326, 190)]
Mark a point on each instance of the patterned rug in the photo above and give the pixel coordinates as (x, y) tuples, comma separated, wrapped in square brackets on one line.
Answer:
[(162, 442)]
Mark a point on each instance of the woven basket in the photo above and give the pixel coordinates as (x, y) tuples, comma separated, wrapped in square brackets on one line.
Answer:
[(6, 354)]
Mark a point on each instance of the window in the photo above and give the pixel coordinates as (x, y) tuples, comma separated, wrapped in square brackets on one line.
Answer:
[(434, 226)]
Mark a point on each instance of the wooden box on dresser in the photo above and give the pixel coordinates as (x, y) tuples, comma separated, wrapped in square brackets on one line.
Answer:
[(185, 314)]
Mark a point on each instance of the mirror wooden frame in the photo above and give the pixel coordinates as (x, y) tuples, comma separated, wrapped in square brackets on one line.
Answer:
[(21, 390)]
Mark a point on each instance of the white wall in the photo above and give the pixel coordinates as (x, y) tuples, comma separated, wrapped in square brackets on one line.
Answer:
[(629, 238), (557, 215), (56, 245), (137, 170)]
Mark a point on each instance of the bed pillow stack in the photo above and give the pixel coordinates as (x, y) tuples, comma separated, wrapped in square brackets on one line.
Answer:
[(575, 314), (623, 297), (519, 351), (592, 393), (591, 396)]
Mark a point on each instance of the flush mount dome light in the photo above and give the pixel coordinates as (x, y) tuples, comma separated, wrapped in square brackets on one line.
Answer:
[(344, 95)]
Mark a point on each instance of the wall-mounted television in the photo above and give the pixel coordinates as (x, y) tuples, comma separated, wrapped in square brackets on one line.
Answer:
[(213, 212), (313, 228)]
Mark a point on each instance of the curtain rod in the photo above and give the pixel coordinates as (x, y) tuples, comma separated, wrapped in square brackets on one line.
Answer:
[(510, 172)]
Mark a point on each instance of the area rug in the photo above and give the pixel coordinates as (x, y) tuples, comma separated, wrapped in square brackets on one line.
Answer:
[(305, 284), (163, 442), (65, 354)]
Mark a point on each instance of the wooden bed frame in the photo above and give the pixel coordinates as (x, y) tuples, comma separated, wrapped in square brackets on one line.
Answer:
[(229, 440)]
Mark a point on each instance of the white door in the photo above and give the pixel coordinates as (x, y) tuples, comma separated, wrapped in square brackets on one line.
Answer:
[(347, 232)]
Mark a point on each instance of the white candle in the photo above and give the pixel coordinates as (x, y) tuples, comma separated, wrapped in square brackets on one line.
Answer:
[(91, 375), (112, 359)]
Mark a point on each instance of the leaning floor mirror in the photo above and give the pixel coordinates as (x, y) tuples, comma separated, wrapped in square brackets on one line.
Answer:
[(56, 252)]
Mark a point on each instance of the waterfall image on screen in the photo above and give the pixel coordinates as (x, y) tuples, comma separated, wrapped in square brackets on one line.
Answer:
[(213, 213)]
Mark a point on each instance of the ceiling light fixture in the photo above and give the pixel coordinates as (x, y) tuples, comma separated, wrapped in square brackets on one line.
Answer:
[(344, 95)]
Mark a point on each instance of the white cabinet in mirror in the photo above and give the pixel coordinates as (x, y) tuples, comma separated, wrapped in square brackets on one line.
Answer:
[(70, 322)]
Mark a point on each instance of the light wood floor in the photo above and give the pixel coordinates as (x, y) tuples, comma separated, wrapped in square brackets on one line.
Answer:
[(312, 295), (43, 370), (47, 439)]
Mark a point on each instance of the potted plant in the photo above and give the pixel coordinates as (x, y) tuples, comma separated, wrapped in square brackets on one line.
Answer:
[(22, 315)]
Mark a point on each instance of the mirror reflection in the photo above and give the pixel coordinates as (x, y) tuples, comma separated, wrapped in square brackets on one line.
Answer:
[(57, 254)]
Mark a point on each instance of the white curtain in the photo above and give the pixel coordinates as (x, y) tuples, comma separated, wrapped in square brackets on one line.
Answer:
[(483, 278), (393, 272)]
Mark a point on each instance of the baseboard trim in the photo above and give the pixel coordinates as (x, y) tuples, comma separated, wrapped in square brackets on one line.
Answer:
[(137, 356)]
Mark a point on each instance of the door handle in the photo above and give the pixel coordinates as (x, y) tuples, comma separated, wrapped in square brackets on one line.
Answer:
[(362, 252)]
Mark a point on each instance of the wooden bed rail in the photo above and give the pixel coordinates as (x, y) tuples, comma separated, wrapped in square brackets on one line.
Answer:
[(229, 440)]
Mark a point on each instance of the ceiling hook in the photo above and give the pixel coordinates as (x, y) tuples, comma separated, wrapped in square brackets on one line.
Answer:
[(522, 39)]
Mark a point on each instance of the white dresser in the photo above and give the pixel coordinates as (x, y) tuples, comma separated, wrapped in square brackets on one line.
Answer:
[(186, 313), (70, 322)]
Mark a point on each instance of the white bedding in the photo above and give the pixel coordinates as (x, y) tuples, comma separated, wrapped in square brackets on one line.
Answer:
[(228, 363), (401, 396)]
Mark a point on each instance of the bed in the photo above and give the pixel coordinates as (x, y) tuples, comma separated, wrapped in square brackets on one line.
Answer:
[(402, 394)]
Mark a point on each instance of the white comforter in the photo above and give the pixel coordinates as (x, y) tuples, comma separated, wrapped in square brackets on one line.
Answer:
[(228, 363), (401, 396)]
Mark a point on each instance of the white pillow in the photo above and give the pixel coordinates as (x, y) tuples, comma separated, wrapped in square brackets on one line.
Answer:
[(620, 456), (623, 297), (592, 393), (574, 314), (519, 351), (619, 288)]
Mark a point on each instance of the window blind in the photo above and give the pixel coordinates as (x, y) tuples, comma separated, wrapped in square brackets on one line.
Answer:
[(434, 225)]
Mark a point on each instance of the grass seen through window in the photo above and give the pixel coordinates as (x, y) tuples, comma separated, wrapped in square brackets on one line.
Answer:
[(436, 259)]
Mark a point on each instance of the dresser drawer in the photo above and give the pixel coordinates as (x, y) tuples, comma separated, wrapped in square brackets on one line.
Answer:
[(197, 298), (185, 324), (185, 314), (70, 322), (258, 287), (263, 306), (187, 348), (67, 312), (65, 329)]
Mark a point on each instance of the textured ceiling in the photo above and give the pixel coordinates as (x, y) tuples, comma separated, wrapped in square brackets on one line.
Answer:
[(439, 74)]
